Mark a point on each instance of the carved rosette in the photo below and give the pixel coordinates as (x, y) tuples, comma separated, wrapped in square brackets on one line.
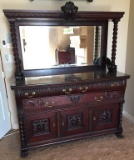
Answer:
[(105, 116), (74, 121), (41, 126)]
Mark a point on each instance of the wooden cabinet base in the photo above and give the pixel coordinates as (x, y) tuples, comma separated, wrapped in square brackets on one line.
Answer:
[(87, 109)]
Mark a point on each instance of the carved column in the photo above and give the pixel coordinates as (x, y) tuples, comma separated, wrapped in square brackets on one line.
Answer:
[(18, 73), (119, 133), (114, 45), (24, 152), (96, 43)]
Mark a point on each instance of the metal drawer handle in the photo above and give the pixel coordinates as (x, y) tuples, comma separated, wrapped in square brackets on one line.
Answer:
[(94, 118), (53, 124), (114, 84), (30, 96), (99, 98), (67, 92), (83, 90), (47, 104)]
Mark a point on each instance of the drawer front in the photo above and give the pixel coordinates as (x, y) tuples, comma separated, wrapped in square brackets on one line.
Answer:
[(67, 89), (97, 97), (73, 100), (46, 103)]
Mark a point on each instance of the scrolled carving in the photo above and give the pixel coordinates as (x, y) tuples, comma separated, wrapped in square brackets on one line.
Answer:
[(75, 99), (69, 11)]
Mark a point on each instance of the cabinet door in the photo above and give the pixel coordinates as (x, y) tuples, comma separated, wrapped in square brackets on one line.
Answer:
[(105, 117), (74, 121), (40, 127)]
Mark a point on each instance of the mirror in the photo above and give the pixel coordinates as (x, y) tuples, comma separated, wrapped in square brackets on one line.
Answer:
[(59, 46)]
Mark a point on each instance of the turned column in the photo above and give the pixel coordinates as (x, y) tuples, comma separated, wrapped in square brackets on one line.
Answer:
[(114, 45), (97, 44), (18, 63)]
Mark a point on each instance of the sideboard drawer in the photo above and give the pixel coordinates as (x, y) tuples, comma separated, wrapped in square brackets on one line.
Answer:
[(57, 102), (44, 103)]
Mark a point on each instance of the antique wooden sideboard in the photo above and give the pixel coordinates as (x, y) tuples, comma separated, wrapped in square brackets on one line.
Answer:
[(64, 103)]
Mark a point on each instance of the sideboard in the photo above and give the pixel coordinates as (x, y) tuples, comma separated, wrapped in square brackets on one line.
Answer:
[(61, 102)]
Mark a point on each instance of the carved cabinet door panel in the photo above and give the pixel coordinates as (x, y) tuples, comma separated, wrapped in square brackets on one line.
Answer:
[(105, 117), (39, 127), (74, 121)]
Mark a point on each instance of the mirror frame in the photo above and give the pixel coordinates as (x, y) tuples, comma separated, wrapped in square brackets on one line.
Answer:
[(65, 17)]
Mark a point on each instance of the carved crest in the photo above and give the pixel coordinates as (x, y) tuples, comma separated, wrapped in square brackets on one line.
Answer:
[(69, 11)]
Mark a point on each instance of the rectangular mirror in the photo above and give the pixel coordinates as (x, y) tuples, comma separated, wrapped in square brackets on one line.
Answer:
[(60, 46)]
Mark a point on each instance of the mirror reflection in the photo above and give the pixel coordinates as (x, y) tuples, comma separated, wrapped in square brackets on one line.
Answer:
[(59, 46)]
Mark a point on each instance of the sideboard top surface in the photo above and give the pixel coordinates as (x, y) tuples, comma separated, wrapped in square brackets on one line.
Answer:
[(62, 79)]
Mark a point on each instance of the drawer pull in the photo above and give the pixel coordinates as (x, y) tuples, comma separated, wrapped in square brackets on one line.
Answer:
[(53, 124), (26, 94), (115, 84), (29, 96), (83, 90), (94, 118), (50, 106), (99, 98), (63, 123), (47, 105), (67, 92)]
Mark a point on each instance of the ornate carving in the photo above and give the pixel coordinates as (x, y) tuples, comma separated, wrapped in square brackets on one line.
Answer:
[(74, 121), (111, 95), (18, 63), (69, 11), (112, 67), (41, 126), (105, 116), (75, 99), (22, 132)]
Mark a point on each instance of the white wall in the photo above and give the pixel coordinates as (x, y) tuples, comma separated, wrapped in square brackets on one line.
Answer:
[(130, 64), (96, 5)]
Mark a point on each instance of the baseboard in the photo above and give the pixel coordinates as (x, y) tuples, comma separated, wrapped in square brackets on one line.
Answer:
[(15, 126), (128, 116)]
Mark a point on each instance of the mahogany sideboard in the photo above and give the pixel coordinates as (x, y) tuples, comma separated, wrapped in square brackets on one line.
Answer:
[(65, 102)]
